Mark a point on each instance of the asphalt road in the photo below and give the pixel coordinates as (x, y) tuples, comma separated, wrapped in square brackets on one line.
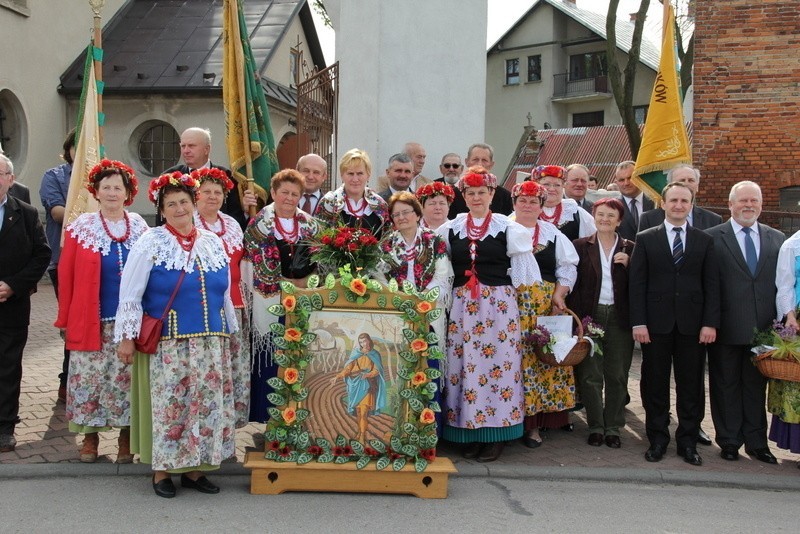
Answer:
[(480, 504)]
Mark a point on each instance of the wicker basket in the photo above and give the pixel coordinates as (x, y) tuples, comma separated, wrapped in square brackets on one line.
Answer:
[(575, 356), (777, 369)]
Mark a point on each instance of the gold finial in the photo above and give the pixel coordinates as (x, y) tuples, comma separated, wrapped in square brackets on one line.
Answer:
[(97, 6)]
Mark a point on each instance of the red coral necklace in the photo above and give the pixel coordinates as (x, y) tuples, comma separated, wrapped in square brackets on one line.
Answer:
[(536, 238), (185, 241), (219, 234), (555, 217), (125, 236), (290, 236), (358, 211), (475, 234)]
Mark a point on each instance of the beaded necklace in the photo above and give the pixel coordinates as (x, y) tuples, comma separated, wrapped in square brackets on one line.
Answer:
[(290, 236), (475, 234), (357, 212), (555, 217), (117, 240), (185, 241), (220, 233)]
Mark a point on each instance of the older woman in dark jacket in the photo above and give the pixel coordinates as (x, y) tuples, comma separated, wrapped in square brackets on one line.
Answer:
[(602, 292)]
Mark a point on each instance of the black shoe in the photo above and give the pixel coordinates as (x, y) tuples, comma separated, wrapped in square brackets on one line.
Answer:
[(702, 438), (655, 453), (569, 427), (531, 443), (613, 442), (202, 484), (595, 439), (491, 451), (471, 450), (690, 455), (164, 488), (762, 455), (730, 453)]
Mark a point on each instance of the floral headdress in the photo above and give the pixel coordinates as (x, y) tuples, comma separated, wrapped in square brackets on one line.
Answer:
[(175, 178), (209, 174), (477, 179), (433, 189), (529, 189), (555, 171), (108, 167)]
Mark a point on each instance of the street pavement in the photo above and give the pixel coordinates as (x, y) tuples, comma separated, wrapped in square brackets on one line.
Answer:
[(46, 447)]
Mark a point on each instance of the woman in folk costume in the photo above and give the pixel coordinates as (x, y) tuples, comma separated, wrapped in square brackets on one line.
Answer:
[(274, 251), (96, 247), (183, 414), (491, 256), (549, 391), (572, 220), (214, 188)]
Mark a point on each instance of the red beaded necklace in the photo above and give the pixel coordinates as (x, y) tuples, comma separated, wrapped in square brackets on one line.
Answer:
[(555, 217), (357, 212), (219, 234), (535, 238), (185, 241), (475, 234), (290, 236), (127, 233)]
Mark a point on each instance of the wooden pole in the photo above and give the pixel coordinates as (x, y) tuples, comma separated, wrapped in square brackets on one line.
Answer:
[(97, 7)]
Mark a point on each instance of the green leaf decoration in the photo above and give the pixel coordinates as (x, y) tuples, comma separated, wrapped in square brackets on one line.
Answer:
[(381, 301), (411, 314), (281, 359), (308, 338), (396, 444), (433, 439), (304, 458), (330, 281), (410, 450), (409, 356), (434, 314), (292, 457), (431, 387), (304, 303), (404, 373), (276, 383), (323, 443), (341, 441), (382, 463), (393, 285), (432, 338), (358, 448), (277, 328), (303, 440), (271, 455), (341, 460), (408, 287), (301, 395), (435, 407), (361, 300), (432, 373), (316, 301), (374, 285), (409, 334), (350, 296), (399, 464), (277, 309), (420, 464), (276, 398), (325, 458), (362, 462), (332, 296), (313, 281), (414, 438), (287, 287), (432, 294), (425, 442), (302, 414), (416, 405), (280, 433), (408, 428), (407, 305), (302, 364), (407, 394), (274, 413), (280, 343), (397, 302), (378, 445)]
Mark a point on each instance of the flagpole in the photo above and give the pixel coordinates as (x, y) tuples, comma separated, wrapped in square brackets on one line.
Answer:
[(97, 7)]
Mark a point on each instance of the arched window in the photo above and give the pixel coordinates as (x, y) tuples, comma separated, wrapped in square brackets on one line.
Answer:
[(158, 147)]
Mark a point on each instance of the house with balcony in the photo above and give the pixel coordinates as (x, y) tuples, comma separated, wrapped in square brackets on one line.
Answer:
[(549, 70)]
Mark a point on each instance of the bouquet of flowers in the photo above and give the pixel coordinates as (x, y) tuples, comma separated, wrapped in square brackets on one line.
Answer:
[(593, 331), (780, 339), (338, 246)]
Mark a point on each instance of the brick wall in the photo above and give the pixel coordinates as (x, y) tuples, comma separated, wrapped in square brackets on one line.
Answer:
[(747, 96)]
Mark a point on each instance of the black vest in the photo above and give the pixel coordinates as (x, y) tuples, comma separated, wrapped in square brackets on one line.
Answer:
[(492, 262), (573, 228), (546, 259), (372, 222)]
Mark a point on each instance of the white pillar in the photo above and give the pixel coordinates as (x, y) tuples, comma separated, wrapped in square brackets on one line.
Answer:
[(412, 70)]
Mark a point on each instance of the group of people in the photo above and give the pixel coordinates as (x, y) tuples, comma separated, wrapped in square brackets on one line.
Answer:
[(499, 258)]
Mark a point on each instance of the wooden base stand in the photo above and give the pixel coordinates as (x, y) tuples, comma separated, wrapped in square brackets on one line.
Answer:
[(268, 477)]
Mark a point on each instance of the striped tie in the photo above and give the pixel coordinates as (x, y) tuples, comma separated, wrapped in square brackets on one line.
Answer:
[(677, 246)]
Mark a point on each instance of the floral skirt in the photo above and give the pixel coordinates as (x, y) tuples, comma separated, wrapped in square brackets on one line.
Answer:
[(783, 402), (547, 389), (240, 368), (98, 387), (183, 409), (484, 373)]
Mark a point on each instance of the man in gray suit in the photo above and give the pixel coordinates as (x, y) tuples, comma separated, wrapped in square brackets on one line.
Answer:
[(700, 218), (400, 173), (747, 257)]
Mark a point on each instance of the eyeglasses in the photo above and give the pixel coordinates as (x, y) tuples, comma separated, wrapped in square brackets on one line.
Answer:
[(402, 214), (451, 165), (6, 173)]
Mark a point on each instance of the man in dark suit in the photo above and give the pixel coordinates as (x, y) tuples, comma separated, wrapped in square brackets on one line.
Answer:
[(451, 168), (195, 151), (576, 184), (747, 258), (674, 307), (481, 154), (24, 256), (700, 218), (20, 192), (315, 170), (400, 173), (635, 202)]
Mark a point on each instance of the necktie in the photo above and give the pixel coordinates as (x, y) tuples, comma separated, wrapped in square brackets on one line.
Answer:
[(750, 250), (677, 246), (635, 213), (307, 204)]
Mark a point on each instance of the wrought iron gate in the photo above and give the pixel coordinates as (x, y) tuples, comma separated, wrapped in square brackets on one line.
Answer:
[(317, 107)]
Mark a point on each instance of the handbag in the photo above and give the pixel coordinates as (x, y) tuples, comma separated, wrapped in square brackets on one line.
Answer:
[(150, 332)]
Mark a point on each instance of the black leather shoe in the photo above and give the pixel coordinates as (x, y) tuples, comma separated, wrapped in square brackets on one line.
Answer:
[(690, 455), (613, 442), (729, 453), (762, 455), (202, 484), (471, 450), (491, 451), (702, 438), (595, 439), (531, 443), (655, 453), (164, 488)]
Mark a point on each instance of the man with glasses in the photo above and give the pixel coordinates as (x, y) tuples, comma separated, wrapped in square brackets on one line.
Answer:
[(451, 169)]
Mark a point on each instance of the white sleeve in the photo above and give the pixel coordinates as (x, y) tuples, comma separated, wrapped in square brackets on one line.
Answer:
[(524, 269), (566, 261), (135, 276), (587, 223), (785, 299), (443, 279)]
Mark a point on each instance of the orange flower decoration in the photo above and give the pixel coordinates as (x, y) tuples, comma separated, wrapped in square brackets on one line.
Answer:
[(419, 345), (358, 287), (292, 334), (289, 415), (289, 302), (419, 378), (427, 416), (424, 306), (290, 375)]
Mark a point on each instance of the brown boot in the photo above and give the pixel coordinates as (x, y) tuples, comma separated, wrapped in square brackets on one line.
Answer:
[(124, 455), (89, 449)]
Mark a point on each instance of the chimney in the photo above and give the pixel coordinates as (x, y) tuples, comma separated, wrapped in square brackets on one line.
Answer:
[(634, 16)]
